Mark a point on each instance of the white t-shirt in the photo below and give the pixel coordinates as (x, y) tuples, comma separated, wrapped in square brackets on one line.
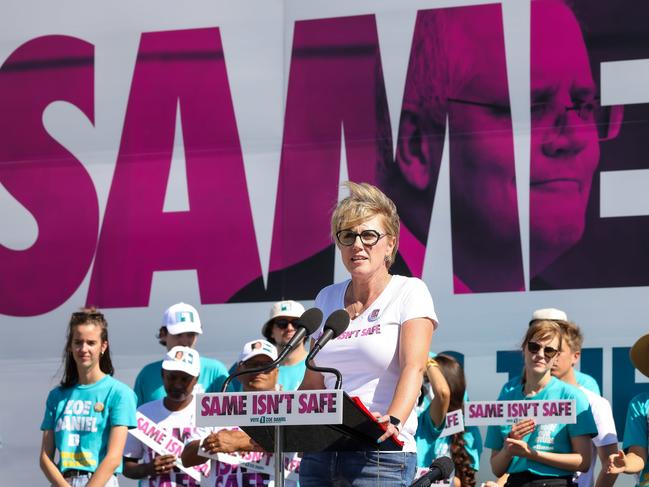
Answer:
[(367, 353), (182, 426), (606, 433)]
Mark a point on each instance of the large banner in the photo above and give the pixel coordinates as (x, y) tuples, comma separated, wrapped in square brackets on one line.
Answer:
[(165, 151)]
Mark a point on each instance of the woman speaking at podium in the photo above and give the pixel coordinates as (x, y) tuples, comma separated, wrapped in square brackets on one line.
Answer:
[(383, 353)]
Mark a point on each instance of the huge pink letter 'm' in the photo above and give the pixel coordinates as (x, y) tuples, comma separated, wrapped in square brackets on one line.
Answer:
[(43, 176), (216, 236), (335, 86)]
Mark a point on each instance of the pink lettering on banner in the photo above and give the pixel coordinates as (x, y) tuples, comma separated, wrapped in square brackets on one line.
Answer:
[(489, 410), (317, 403), (223, 405), (45, 177), (182, 68), (444, 81), (335, 88)]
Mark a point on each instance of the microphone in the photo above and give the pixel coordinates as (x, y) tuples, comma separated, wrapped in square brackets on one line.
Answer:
[(336, 323), (305, 324), (440, 469)]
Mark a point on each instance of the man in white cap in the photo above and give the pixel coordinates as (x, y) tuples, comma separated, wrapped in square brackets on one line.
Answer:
[(256, 353), (181, 326), (569, 356), (175, 414)]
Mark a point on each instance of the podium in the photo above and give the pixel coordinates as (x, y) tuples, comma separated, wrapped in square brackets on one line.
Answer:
[(296, 421), (358, 431)]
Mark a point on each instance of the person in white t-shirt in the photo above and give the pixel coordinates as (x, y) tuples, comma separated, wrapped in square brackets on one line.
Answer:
[(382, 355), (605, 443), (175, 414)]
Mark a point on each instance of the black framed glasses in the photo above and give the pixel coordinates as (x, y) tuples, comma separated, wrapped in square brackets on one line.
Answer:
[(548, 352), (607, 119), (282, 323), (368, 237)]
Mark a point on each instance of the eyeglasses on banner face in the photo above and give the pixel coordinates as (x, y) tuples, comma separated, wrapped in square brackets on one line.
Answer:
[(283, 323), (607, 119), (548, 352), (368, 237)]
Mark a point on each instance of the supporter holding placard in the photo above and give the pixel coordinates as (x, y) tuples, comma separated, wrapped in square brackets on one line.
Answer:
[(633, 459), (88, 415), (448, 385), (383, 352), (546, 453), (181, 326), (163, 419)]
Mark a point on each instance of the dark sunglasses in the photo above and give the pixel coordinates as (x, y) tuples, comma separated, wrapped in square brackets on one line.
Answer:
[(283, 323), (548, 352), (370, 238)]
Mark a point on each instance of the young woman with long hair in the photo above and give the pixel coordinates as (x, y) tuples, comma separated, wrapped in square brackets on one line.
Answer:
[(448, 385), (88, 415)]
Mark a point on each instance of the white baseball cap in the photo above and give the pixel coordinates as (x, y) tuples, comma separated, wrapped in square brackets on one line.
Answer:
[(183, 359), (182, 318), (552, 314), (258, 347), (287, 309)]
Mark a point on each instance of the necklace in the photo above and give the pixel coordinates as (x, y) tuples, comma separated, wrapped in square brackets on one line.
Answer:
[(357, 308)]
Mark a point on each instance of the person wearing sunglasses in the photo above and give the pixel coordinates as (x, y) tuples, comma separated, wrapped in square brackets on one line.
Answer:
[(633, 458), (278, 330), (547, 454), (383, 352), (88, 415)]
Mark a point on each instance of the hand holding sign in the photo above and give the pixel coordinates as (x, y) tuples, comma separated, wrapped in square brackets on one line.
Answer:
[(162, 464), (226, 441), (522, 429)]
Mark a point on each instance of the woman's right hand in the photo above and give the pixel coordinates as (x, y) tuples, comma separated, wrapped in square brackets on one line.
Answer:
[(163, 464), (522, 429)]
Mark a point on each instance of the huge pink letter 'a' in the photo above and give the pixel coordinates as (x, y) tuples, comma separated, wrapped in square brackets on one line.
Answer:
[(216, 236)]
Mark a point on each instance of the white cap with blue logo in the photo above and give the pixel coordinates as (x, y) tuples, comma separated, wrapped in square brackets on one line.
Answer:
[(182, 318)]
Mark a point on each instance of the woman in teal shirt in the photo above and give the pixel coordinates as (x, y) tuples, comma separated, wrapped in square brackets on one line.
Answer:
[(87, 417), (448, 385), (551, 453)]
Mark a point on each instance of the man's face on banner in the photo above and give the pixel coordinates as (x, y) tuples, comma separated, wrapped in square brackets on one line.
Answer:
[(564, 141), (564, 144)]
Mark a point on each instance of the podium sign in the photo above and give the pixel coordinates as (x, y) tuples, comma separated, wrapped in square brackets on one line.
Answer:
[(270, 408)]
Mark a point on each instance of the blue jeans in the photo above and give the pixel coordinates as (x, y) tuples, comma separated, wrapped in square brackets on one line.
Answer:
[(357, 468)]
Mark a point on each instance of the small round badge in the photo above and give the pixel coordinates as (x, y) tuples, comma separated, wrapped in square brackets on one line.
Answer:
[(99, 407)]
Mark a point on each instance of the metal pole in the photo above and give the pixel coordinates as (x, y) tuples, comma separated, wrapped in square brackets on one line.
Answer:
[(279, 456)]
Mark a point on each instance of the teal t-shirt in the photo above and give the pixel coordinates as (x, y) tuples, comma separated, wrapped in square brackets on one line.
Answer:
[(430, 446), (635, 430), (584, 380), (82, 417), (587, 382), (545, 437), (148, 383)]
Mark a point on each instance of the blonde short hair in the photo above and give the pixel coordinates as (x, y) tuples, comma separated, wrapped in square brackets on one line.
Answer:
[(364, 202), (543, 330)]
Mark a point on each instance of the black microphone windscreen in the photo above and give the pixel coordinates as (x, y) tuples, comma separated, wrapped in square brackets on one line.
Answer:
[(445, 464), (338, 321), (310, 320)]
